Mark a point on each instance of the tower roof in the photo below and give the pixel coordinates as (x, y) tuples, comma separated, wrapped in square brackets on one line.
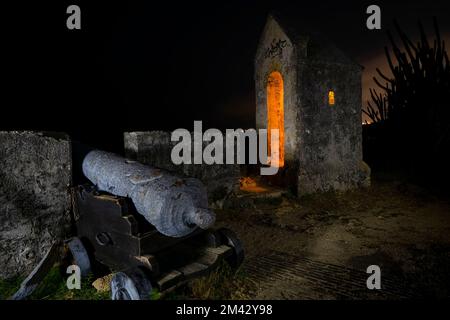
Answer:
[(318, 47)]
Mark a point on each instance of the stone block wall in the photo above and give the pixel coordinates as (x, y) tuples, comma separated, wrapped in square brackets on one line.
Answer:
[(35, 175), (331, 157), (154, 148)]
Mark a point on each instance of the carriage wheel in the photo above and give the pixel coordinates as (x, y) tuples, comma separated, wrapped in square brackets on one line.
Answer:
[(132, 284), (229, 238), (80, 256)]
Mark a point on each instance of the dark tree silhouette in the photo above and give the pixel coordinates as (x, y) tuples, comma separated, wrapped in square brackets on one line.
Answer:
[(413, 107)]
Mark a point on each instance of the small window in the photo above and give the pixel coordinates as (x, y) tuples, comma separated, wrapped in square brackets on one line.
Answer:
[(331, 98)]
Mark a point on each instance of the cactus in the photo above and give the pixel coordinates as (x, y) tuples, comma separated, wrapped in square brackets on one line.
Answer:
[(413, 106)]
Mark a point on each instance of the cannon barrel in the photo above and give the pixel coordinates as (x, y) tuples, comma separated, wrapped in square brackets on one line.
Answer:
[(174, 205)]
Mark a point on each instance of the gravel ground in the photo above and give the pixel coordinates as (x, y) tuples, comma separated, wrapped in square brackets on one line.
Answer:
[(319, 247)]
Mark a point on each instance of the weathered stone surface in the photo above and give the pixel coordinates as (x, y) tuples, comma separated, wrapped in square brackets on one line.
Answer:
[(35, 173), (154, 148), (323, 143)]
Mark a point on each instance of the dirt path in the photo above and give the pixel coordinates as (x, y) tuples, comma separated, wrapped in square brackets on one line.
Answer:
[(320, 247)]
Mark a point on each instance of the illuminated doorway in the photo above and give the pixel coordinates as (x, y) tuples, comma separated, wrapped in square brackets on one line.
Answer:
[(275, 114)]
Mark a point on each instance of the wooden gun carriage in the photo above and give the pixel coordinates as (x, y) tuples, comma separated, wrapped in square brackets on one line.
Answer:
[(111, 233)]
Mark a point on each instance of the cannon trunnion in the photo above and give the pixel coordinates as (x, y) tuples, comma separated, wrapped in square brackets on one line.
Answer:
[(115, 235)]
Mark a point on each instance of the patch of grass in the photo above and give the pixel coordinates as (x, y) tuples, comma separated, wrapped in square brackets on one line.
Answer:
[(9, 286), (223, 283), (155, 295), (220, 284), (54, 287)]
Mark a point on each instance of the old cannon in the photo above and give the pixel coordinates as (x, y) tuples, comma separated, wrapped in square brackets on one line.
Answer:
[(149, 226), (174, 206)]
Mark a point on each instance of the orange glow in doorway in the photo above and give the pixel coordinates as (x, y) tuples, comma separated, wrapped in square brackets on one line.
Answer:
[(275, 113)]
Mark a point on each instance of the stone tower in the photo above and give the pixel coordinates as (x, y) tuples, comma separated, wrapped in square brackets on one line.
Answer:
[(311, 91)]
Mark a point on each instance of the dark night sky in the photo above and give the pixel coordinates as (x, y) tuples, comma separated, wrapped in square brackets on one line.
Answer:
[(147, 65)]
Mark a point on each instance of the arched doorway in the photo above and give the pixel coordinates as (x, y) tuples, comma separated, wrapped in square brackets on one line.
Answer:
[(275, 113)]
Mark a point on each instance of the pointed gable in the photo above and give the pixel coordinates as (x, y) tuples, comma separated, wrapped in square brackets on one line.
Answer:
[(317, 47)]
